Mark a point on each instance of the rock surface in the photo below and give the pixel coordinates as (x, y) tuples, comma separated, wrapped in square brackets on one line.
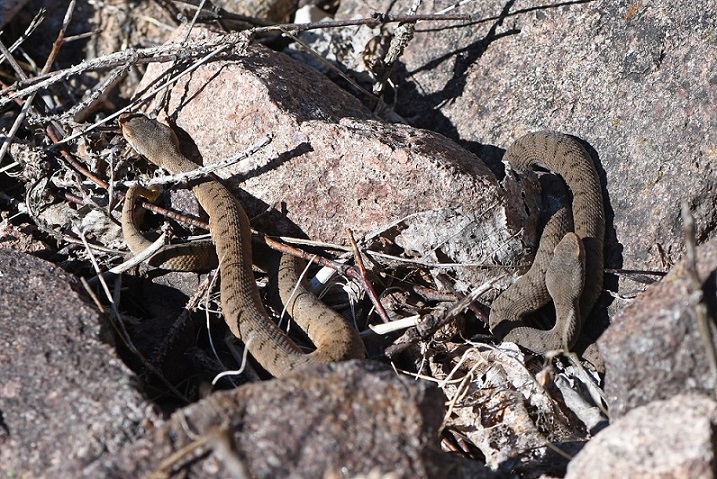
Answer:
[(343, 419), (653, 349), (65, 396), (664, 439)]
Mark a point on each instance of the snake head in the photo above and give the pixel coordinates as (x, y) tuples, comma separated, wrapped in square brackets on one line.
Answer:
[(565, 277), (149, 138)]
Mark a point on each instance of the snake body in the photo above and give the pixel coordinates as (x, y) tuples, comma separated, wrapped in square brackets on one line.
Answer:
[(568, 266), (241, 303)]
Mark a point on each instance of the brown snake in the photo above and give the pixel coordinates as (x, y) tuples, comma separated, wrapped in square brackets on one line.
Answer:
[(568, 266), (243, 310)]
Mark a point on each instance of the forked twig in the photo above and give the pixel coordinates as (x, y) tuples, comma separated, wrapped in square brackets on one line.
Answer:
[(351, 272)]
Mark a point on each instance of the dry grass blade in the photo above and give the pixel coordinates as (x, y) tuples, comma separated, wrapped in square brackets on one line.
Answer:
[(118, 324)]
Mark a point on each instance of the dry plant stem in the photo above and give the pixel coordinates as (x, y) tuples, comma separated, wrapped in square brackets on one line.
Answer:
[(115, 321), (398, 260), (158, 244), (629, 273), (28, 102), (163, 99), (329, 65), (472, 306), (314, 243), (272, 243), (39, 17), (430, 324), (7, 141), (455, 441), (48, 63), (160, 54), (696, 297), (163, 471), (402, 36), (194, 19), (371, 22), (364, 279), (220, 13), (203, 171), (430, 294), (100, 92), (219, 440), (149, 94), (395, 325), (54, 131), (173, 51), (350, 272)]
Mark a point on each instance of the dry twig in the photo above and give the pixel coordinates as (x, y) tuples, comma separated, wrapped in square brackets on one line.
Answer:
[(363, 279), (194, 49), (429, 324), (696, 296)]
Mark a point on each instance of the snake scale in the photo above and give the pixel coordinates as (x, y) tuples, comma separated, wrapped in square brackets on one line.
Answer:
[(568, 266), (243, 310)]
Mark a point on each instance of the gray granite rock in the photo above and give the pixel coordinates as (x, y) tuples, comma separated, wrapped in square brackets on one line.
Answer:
[(666, 439), (346, 419), (65, 396), (653, 349)]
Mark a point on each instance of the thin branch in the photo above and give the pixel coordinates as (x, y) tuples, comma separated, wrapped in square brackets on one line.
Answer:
[(172, 51), (102, 90), (429, 324), (161, 54), (696, 296), (319, 58), (363, 279), (348, 271), (401, 38), (203, 171), (57, 44), (20, 119), (140, 257), (147, 95), (222, 14), (39, 17), (372, 22)]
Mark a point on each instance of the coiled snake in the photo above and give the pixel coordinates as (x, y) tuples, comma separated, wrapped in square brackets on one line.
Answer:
[(241, 304), (568, 266)]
